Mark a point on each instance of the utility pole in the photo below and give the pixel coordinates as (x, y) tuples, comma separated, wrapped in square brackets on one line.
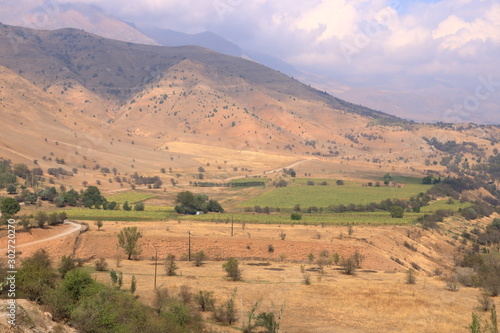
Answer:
[(189, 245), (156, 264)]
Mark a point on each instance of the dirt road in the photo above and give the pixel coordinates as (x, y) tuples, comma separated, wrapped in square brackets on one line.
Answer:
[(71, 228)]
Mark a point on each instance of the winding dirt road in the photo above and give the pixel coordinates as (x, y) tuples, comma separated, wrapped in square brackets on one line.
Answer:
[(73, 227)]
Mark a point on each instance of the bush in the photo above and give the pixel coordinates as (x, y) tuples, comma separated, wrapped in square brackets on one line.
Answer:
[(296, 216), (98, 224), (139, 207), (348, 266), (35, 276), (205, 300), (411, 276), (231, 266), (66, 264), (397, 212), (226, 313), (101, 265), (199, 257)]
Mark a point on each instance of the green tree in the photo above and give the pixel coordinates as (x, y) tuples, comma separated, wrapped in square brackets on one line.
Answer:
[(231, 266), (35, 276), (397, 212), (98, 224), (92, 197), (9, 207), (214, 206), (128, 239), (65, 265), (199, 257), (126, 206), (40, 219), (12, 189), (139, 207), (133, 285)]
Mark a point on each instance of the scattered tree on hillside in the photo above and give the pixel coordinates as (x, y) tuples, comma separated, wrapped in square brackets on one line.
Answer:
[(9, 207), (12, 189)]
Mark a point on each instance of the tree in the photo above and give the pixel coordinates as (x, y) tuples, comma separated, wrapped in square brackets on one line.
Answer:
[(410, 276), (35, 276), (170, 265), (9, 207), (128, 240), (397, 212), (65, 265), (133, 285), (199, 257), (30, 199), (12, 189), (139, 207), (231, 266), (98, 224), (92, 197), (214, 206), (126, 206), (387, 179), (41, 218)]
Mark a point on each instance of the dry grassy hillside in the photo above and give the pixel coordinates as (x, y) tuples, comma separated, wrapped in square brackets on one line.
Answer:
[(91, 101)]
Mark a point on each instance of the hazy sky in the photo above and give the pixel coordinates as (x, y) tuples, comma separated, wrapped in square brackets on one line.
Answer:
[(395, 45)]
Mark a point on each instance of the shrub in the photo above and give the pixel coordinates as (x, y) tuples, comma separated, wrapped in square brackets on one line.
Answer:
[(296, 216), (98, 224), (411, 276), (231, 266), (199, 257), (205, 300), (139, 207), (101, 265), (35, 276), (65, 265), (226, 313), (397, 212), (348, 266)]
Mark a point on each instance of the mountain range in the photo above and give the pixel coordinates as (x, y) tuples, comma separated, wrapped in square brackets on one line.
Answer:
[(437, 103)]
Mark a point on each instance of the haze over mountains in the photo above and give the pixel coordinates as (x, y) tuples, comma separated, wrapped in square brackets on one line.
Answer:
[(440, 101)]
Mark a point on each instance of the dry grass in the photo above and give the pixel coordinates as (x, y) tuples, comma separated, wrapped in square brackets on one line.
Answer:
[(375, 299)]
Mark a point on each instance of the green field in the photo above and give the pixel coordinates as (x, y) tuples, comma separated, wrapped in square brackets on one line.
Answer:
[(324, 196), (131, 197), (249, 179), (368, 218), (150, 213)]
